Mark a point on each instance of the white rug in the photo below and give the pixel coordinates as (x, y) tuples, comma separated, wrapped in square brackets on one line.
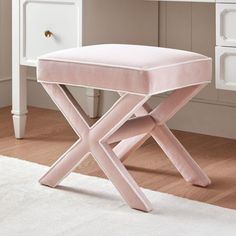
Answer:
[(91, 206)]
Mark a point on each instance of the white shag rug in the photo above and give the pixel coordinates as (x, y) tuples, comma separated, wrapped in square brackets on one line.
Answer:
[(90, 206)]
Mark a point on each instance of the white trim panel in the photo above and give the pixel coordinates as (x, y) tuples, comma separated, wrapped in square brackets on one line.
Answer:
[(225, 24), (225, 68), (62, 17)]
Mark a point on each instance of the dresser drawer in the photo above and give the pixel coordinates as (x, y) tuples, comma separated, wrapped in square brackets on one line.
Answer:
[(225, 68), (48, 25), (226, 24), (225, 1)]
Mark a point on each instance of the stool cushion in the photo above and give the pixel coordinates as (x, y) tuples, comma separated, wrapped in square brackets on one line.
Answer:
[(125, 68)]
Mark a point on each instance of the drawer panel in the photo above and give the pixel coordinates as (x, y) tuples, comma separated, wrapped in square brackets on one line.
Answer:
[(225, 24), (225, 68), (48, 26), (226, 1)]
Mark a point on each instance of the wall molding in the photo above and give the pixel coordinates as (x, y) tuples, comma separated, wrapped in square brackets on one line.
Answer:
[(204, 117), (206, 101), (198, 116), (5, 79)]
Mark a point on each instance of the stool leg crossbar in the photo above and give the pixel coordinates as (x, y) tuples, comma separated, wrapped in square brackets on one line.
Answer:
[(117, 125), (174, 150)]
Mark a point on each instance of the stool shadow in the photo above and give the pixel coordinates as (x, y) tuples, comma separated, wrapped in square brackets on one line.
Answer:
[(152, 171), (100, 195), (222, 183)]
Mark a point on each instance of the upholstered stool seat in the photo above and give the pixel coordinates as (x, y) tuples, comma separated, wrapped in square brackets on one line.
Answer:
[(136, 73), (127, 68)]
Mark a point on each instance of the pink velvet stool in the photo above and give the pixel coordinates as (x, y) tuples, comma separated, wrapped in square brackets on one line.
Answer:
[(136, 73)]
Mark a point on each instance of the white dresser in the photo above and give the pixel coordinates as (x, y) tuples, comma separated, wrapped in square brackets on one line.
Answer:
[(226, 45), (48, 25), (39, 27)]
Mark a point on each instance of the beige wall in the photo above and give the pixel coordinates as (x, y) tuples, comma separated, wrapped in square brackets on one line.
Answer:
[(120, 21), (5, 52)]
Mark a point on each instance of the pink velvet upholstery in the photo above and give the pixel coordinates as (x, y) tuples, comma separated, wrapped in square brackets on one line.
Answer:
[(135, 72), (127, 68)]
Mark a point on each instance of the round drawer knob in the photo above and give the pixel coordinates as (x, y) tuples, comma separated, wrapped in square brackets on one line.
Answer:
[(48, 33)]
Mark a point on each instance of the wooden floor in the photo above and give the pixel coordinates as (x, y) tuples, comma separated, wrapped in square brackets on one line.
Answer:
[(48, 135)]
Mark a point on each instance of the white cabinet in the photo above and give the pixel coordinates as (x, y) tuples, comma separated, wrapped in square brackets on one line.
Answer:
[(226, 24), (226, 46), (48, 26), (38, 27), (225, 1)]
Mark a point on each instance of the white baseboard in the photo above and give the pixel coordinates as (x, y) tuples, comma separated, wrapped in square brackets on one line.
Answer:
[(205, 118), (37, 96), (5, 92), (197, 116)]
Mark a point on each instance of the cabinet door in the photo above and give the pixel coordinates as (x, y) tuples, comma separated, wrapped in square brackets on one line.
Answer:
[(226, 24), (225, 1), (48, 25), (225, 68)]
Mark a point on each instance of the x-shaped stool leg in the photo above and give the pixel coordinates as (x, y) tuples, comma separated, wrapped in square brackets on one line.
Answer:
[(113, 127), (93, 139), (177, 154)]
